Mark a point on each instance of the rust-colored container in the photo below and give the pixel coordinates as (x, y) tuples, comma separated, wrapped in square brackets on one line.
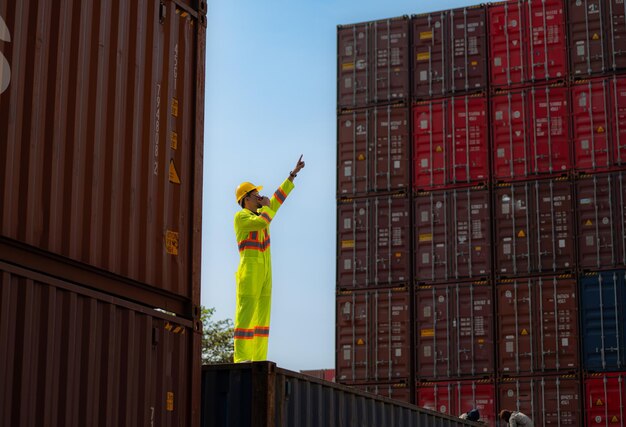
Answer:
[(395, 391), (373, 63), (71, 356), (450, 142), (534, 227), (458, 397), (547, 400), (102, 136), (507, 39), (587, 37), (601, 220), (449, 52), (537, 323), (530, 131), (452, 235), (373, 336), (605, 395), (373, 151), (373, 242), (454, 330)]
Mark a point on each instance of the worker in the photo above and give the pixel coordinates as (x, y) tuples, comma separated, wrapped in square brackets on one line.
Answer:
[(254, 275), (516, 419), (472, 415)]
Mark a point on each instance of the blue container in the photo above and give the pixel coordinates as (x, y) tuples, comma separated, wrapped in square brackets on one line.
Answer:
[(603, 313)]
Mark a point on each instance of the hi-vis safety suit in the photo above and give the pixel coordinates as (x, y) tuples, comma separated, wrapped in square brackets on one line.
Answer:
[(254, 277)]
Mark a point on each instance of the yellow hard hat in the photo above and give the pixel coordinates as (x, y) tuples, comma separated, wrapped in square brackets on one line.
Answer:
[(244, 188)]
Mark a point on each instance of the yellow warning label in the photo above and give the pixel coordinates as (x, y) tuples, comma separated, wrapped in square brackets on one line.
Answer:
[(426, 35), (521, 234), (347, 244), (595, 36), (478, 248), (424, 56), (481, 340), (360, 341), (438, 149), (474, 63), (174, 107), (588, 222), (427, 333), (168, 326), (614, 419), (361, 157), (599, 402), (347, 66), (600, 129), (398, 254), (174, 141), (171, 242), (524, 332), (170, 401), (426, 237), (173, 174)]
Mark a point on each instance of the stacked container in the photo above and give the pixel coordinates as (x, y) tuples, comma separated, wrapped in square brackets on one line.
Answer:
[(373, 207), (101, 135), (518, 256)]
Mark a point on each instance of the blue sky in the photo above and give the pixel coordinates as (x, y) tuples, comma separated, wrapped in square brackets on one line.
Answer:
[(271, 96)]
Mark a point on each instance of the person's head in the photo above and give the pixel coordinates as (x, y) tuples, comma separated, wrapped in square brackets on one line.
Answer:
[(248, 197), (505, 415), (473, 415)]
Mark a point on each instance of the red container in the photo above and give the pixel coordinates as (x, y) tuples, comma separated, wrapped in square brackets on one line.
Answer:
[(449, 52), (507, 42), (527, 41), (592, 127), (534, 227), (618, 119), (455, 330), (601, 220), (458, 397), (605, 395), (72, 356), (323, 374), (373, 336), (537, 321), (450, 142), (373, 63), (530, 133), (373, 151), (396, 391), (101, 138), (373, 242), (452, 235), (547, 400)]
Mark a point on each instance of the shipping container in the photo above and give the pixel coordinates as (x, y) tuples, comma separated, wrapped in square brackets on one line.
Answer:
[(454, 331), (373, 151), (527, 42), (450, 142), (323, 374), (597, 36), (452, 235), (373, 60), (115, 184), (534, 227), (603, 320), (373, 242), (449, 52), (458, 397), (373, 336), (605, 397), (71, 356), (530, 133), (601, 219), (547, 400), (259, 394), (396, 391), (537, 325)]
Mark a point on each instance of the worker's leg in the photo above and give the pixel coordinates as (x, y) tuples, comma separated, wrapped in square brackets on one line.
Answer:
[(262, 328), (249, 281)]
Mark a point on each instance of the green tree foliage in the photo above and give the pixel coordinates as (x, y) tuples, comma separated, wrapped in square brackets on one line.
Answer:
[(217, 338)]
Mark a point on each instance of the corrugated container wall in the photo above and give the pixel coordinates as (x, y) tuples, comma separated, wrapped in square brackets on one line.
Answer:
[(116, 183), (605, 395), (74, 357)]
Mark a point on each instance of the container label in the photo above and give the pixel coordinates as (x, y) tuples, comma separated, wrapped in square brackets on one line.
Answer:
[(347, 66), (170, 401), (174, 107), (426, 237), (173, 174), (424, 56), (426, 35), (346, 244), (427, 333), (5, 68), (171, 242), (174, 141)]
